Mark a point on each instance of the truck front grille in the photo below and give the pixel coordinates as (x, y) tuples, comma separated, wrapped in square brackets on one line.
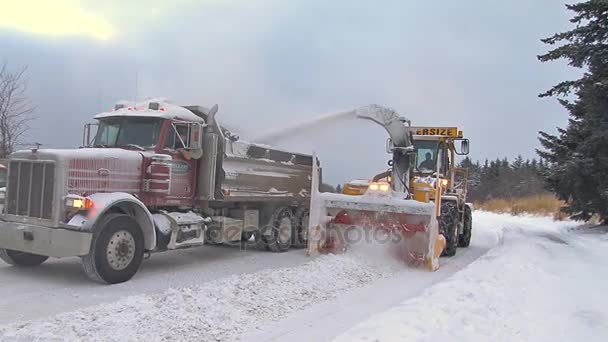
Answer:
[(30, 188)]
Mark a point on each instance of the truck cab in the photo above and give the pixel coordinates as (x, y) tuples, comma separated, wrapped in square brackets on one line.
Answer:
[(167, 135)]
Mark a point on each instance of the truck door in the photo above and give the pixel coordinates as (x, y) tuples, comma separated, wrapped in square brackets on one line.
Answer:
[(183, 166)]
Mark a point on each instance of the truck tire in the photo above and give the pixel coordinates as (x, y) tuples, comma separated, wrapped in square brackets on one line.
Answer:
[(448, 226), (246, 236), (300, 236), (21, 259), (465, 237), (278, 233), (117, 250)]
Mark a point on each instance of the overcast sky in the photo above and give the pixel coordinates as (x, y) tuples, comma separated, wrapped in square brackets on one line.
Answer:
[(270, 63)]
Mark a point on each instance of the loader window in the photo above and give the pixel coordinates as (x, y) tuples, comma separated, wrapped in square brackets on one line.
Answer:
[(426, 153)]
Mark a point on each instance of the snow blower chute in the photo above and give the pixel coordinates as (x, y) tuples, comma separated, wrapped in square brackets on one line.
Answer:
[(386, 211)]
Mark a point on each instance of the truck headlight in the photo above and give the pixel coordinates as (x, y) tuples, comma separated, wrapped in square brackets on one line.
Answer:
[(77, 203)]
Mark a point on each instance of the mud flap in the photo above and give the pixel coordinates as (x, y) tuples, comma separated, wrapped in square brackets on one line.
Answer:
[(411, 225)]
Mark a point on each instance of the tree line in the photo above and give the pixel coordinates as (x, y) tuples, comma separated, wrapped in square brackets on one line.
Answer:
[(504, 179)]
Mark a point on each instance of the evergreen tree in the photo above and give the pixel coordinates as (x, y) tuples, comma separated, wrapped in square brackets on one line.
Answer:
[(576, 159), (518, 163)]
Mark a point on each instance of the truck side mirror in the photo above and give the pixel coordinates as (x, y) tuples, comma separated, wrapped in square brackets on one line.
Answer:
[(196, 140), (196, 136), (464, 147), (88, 135)]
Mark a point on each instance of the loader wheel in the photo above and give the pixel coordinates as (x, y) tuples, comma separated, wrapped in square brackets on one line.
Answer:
[(465, 238), (448, 226), (117, 250), (301, 219), (21, 259), (277, 234)]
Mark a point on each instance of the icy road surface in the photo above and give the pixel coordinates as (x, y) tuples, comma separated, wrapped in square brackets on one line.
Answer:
[(510, 285)]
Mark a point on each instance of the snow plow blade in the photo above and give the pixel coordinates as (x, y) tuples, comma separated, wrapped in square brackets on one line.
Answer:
[(409, 228)]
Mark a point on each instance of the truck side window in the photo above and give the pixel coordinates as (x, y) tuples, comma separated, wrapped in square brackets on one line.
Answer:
[(178, 136)]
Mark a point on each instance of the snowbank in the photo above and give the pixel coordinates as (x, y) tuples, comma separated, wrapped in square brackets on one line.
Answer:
[(217, 310), (542, 283)]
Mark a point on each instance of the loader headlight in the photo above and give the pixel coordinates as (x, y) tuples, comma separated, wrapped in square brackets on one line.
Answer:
[(444, 182), (78, 203), (379, 187)]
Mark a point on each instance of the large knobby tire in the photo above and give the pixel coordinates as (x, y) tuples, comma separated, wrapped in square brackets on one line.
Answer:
[(117, 250), (465, 237), (301, 218), (277, 234), (448, 226), (21, 259)]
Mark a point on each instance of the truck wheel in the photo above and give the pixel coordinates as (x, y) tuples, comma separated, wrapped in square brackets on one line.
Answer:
[(465, 238), (448, 226), (301, 218), (117, 250), (22, 259), (246, 236), (277, 234)]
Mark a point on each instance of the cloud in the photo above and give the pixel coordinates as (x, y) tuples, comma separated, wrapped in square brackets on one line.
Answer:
[(53, 18)]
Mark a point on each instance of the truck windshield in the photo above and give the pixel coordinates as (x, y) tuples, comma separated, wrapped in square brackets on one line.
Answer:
[(426, 153), (125, 132)]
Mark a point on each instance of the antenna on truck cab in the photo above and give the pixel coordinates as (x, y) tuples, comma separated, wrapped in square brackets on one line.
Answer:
[(136, 83)]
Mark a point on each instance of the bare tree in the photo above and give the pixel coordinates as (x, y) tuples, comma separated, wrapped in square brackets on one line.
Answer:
[(15, 108)]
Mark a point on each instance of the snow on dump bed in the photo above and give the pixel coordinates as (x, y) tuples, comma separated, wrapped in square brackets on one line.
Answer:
[(214, 311), (543, 283)]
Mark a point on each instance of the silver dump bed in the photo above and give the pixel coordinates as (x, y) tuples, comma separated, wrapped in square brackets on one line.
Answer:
[(238, 171), (258, 173)]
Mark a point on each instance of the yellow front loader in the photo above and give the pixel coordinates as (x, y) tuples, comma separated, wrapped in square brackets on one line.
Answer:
[(435, 167), (387, 210)]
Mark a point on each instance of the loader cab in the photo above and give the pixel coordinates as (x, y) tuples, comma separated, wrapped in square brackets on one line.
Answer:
[(431, 155)]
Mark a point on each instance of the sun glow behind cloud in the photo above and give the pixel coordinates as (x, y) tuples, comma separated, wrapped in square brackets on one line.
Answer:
[(53, 18)]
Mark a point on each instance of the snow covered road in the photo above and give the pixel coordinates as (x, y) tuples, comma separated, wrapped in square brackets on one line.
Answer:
[(544, 282), (219, 293)]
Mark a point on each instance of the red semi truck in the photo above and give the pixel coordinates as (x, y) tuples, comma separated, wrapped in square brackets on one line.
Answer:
[(154, 177)]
